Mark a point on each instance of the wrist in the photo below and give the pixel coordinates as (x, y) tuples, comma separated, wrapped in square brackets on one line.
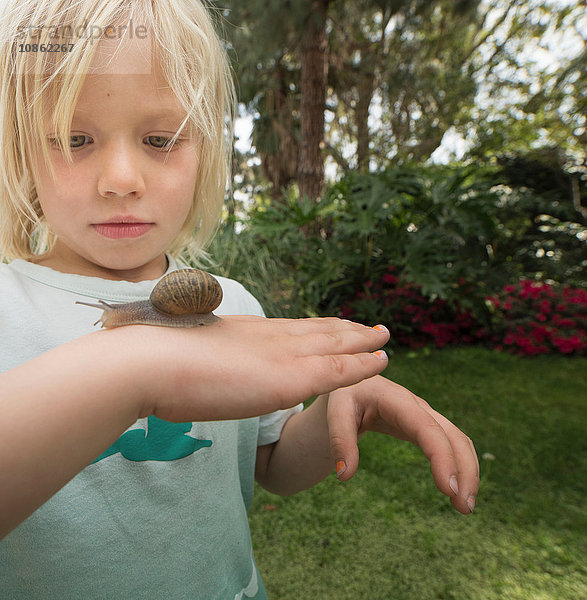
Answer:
[(156, 365), (134, 366)]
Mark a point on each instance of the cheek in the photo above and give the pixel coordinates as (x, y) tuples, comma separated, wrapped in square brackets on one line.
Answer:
[(63, 190), (179, 183)]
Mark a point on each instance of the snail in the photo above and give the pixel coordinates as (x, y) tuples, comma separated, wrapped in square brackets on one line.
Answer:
[(184, 298)]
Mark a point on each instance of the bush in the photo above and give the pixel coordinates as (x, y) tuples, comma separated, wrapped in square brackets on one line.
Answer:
[(438, 226), (527, 318), (532, 318), (413, 319)]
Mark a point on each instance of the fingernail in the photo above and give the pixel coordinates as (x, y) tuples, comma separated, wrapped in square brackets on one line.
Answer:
[(471, 503), (381, 328), (454, 486), (340, 468), (380, 354)]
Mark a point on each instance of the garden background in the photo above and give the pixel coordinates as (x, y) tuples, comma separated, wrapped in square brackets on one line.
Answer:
[(422, 164)]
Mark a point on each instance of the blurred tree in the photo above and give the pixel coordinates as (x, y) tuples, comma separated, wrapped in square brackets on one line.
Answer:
[(401, 77), (394, 76), (533, 92)]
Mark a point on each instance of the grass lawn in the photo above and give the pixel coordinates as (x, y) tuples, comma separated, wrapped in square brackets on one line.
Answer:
[(389, 534)]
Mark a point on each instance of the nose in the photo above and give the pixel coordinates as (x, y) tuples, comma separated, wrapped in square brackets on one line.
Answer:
[(120, 174)]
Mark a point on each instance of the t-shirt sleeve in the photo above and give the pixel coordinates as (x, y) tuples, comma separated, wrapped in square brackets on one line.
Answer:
[(270, 425), (240, 301)]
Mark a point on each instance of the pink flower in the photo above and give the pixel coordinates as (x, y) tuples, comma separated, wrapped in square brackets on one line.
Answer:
[(390, 279), (564, 323), (568, 345), (539, 333)]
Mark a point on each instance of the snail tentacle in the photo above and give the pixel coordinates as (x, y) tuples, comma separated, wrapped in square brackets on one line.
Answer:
[(108, 312)]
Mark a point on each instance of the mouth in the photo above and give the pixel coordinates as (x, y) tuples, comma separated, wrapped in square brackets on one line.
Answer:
[(122, 226)]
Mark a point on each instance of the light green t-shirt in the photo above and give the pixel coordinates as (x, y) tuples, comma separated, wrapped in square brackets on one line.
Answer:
[(162, 513)]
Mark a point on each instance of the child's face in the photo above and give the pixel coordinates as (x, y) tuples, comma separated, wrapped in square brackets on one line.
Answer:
[(119, 205)]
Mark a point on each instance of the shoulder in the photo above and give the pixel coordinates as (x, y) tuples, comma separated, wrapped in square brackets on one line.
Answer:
[(236, 299), (6, 269), (9, 288), (11, 278)]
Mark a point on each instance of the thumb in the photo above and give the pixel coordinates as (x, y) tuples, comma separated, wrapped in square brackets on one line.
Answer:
[(342, 430)]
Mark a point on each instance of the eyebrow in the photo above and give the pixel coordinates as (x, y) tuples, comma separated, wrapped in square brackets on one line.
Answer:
[(169, 113)]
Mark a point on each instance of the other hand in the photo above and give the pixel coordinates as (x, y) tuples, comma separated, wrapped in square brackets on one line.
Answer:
[(378, 404)]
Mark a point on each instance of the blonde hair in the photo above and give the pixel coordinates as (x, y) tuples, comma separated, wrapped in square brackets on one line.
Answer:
[(194, 65)]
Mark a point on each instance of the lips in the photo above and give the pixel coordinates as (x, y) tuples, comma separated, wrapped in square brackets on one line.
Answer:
[(124, 226)]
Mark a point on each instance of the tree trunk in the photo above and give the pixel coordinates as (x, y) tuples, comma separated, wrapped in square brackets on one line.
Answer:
[(313, 89), (365, 90), (280, 162)]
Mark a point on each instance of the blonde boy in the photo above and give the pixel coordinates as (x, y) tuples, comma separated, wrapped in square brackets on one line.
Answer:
[(127, 456)]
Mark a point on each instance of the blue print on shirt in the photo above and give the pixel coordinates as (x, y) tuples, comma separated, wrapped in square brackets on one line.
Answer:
[(161, 441)]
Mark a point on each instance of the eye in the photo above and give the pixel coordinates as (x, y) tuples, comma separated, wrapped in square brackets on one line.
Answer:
[(75, 141), (160, 142), (78, 141)]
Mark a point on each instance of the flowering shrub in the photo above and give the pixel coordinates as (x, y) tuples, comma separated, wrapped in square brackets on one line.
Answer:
[(413, 319), (528, 318), (532, 318)]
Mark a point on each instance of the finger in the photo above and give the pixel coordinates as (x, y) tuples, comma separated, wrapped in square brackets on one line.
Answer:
[(342, 429), (333, 371), (414, 420), (325, 325), (467, 466), (349, 341), (333, 328), (437, 448), (452, 457)]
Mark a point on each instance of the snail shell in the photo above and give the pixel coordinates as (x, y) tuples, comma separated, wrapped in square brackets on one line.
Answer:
[(184, 298), (185, 292)]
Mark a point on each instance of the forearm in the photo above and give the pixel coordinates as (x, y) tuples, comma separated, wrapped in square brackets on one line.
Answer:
[(61, 410), (301, 458), (70, 404)]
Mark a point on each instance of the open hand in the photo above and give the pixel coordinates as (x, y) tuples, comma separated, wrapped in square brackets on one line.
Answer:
[(247, 366)]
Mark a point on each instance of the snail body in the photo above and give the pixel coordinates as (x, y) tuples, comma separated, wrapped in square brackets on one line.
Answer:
[(184, 298)]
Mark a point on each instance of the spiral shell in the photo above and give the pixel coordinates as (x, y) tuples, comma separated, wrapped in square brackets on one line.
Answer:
[(187, 291)]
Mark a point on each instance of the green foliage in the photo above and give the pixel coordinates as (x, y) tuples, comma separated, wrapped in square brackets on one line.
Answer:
[(529, 101), (290, 232), (457, 233), (433, 223), (542, 200), (241, 257)]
